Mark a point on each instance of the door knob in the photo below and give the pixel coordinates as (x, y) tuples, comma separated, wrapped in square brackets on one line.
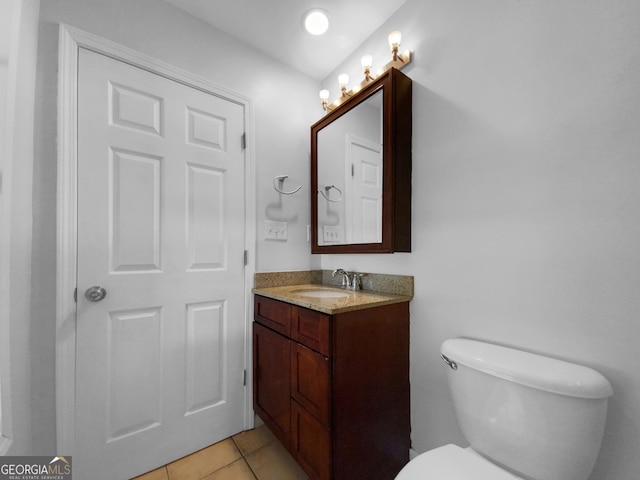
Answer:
[(95, 294)]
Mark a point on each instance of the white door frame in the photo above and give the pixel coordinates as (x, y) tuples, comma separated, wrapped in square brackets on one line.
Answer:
[(71, 40)]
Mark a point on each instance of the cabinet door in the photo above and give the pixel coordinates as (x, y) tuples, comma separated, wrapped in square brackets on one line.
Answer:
[(310, 385), (271, 380), (310, 443)]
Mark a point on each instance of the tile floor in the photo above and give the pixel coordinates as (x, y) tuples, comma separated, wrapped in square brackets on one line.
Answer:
[(252, 455)]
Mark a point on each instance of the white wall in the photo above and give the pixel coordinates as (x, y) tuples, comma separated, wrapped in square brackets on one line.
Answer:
[(526, 198), (284, 102), (526, 210), (16, 224), (5, 42)]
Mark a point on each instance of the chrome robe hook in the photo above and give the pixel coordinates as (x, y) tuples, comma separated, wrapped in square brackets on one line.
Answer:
[(278, 185), (325, 194)]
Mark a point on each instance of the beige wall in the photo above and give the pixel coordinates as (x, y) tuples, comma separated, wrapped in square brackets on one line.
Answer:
[(526, 195)]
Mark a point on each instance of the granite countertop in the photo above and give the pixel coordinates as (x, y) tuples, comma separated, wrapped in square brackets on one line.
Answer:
[(349, 300)]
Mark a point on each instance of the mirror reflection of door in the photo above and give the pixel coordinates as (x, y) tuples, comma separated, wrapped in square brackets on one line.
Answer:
[(350, 163), (363, 202)]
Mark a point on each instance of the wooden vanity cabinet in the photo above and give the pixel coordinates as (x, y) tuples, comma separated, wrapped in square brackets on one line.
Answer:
[(335, 388)]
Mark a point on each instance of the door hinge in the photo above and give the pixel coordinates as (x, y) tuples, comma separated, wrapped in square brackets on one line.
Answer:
[(353, 170), (244, 378), (246, 258), (243, 141), (75, 295)]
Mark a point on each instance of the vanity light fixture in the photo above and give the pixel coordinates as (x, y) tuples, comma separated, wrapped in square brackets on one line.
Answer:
[(397, 61)]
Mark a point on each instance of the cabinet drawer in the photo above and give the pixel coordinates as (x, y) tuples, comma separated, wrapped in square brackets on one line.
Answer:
[(310, 384), (310, 443), (272, 313), (311, 328)]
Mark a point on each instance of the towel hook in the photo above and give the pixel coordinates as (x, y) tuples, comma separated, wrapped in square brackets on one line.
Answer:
[(278, 185), (325, 194)]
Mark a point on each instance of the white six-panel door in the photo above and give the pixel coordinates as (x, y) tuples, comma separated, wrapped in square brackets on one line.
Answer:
[(363, 202), (160, 359)]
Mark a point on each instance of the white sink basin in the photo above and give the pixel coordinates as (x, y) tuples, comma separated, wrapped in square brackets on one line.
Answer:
[(321, 293)]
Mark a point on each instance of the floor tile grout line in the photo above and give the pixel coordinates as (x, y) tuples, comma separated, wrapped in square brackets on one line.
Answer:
[(237, 446), (228, 464), (255, 475), (243, 456)]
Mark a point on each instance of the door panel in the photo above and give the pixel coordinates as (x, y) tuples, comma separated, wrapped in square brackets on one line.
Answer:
[(134, 232), (205, 218), (161, 227), (128, 330), (363, 202), (205, 360)]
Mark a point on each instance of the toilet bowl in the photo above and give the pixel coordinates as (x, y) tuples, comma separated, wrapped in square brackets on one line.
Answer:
[(525, 416), (451, 462)]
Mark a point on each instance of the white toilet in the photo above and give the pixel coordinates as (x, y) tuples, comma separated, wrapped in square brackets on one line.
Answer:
[(526, 417)]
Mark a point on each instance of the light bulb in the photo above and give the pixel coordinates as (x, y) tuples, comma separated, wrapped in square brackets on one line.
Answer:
[(366, 62), (394, 39), (343, 81), (324, 98)]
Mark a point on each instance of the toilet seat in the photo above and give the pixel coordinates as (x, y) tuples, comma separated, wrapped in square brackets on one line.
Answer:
[(451, 462)]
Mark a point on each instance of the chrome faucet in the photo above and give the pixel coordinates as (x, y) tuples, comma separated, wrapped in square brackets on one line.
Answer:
[(346, 280), (352, 281)]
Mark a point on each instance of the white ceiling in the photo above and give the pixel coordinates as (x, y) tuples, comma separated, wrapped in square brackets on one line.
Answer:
[(275, 27)]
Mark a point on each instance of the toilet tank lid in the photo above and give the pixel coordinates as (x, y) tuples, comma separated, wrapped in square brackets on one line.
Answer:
[(535, 371)]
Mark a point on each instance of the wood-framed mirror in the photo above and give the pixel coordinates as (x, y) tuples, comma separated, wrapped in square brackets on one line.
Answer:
[(361, 171)]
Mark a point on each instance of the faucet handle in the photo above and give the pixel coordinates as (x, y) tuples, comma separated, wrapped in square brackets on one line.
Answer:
[(356, 282)]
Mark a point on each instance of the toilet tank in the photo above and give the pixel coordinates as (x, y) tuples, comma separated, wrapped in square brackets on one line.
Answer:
[(539, 417)]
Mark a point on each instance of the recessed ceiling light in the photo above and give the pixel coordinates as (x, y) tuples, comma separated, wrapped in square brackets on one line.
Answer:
[(316, 21)]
